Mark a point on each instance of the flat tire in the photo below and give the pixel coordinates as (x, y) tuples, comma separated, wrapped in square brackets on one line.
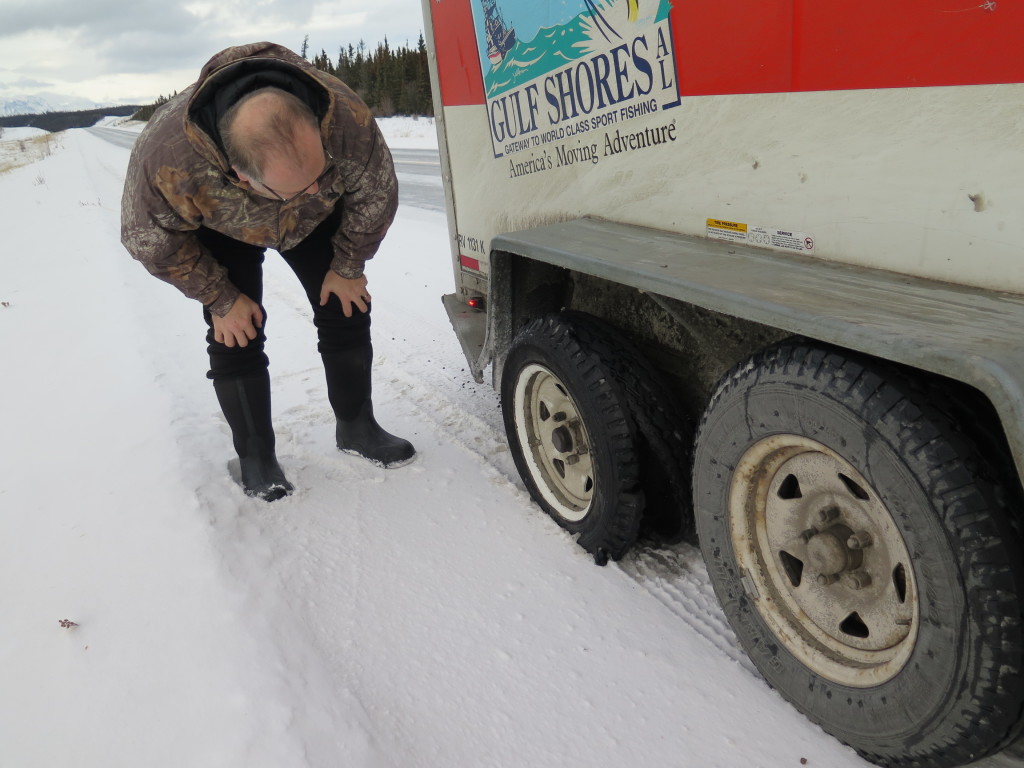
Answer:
[(571, 435)]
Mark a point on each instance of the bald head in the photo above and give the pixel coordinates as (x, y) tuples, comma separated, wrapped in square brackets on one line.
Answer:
[(268, 127)]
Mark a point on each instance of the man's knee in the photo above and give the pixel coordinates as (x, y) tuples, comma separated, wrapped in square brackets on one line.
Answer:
[(228, 361), (337, 332)]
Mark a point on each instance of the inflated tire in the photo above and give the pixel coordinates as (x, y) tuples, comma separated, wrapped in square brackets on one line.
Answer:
[(571, 435), (862, 551), (664, 435)]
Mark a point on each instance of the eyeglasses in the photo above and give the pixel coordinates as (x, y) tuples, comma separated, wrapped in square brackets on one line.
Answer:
[(328, 167)]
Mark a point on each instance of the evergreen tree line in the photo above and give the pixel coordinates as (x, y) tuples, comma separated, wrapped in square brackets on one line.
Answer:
[(147, 112), (392, 81)]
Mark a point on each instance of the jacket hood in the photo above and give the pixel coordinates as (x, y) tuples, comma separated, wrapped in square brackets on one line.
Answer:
[(233, 73)]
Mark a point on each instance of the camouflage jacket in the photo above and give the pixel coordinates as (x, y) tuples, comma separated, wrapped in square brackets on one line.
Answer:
[(179, 178)]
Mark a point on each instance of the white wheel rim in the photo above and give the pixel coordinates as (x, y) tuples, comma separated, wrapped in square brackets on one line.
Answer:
[(823, 561), (554, 442)]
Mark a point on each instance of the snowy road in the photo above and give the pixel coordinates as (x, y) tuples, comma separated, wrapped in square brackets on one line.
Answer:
[(426, 616)]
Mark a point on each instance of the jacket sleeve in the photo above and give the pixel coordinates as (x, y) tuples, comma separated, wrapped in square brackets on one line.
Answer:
[(370, 200), (158, 228)]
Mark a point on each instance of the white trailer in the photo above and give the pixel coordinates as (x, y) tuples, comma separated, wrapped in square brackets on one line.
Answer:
[(754, 273)]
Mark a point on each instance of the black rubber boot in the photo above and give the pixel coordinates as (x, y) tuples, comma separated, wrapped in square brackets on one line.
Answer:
[(348, 389), (245, 401)]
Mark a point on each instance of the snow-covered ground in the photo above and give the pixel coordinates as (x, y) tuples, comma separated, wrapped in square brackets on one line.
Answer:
[(21, 146), (425, 616), (11, 134)]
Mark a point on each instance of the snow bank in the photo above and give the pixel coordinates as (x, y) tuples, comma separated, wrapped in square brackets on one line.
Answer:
[(409, 132), (13, 134)]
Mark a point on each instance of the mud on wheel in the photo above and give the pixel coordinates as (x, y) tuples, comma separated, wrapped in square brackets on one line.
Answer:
[(862, 551), (571, 435)]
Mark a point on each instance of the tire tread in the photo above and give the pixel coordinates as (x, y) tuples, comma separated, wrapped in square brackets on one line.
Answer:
[(665, 435)]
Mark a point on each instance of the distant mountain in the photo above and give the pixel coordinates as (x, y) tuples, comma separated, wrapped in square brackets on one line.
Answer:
[(43, 102)]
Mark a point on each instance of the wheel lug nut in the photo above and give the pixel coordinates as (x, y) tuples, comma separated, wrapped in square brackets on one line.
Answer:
[(828, 515), (824, 579), (858, 579), (859, 540)]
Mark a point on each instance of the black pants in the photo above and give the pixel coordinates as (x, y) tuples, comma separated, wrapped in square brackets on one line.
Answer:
[(310, 260)]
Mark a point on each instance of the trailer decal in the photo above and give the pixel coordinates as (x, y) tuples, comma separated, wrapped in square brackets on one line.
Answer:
[(551, 76)]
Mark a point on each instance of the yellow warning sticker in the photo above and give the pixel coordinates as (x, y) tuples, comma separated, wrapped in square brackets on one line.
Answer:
[(719, 229)]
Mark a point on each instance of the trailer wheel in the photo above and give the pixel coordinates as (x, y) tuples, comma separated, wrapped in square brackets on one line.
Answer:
[(864, 556), (571, 435)]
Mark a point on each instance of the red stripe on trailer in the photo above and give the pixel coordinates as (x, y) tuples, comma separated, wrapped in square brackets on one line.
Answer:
[(721, 51), (458, 61), (807, 45), (470, 263), (770, 46), (921, 43)]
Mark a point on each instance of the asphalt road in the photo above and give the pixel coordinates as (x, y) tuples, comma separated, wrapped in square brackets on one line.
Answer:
[(419, 178), (114, 136), (419, 170)]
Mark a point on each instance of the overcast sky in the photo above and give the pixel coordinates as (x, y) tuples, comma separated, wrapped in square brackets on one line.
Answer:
[(132, 51)]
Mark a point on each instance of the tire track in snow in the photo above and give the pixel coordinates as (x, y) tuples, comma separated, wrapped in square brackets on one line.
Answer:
[(677, 578)]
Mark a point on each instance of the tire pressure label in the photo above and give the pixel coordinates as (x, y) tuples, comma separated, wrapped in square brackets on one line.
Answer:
[(763, 237), (719, 229)]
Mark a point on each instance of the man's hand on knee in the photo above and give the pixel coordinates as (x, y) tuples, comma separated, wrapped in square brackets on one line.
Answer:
[(350, 292), (239, 325)]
